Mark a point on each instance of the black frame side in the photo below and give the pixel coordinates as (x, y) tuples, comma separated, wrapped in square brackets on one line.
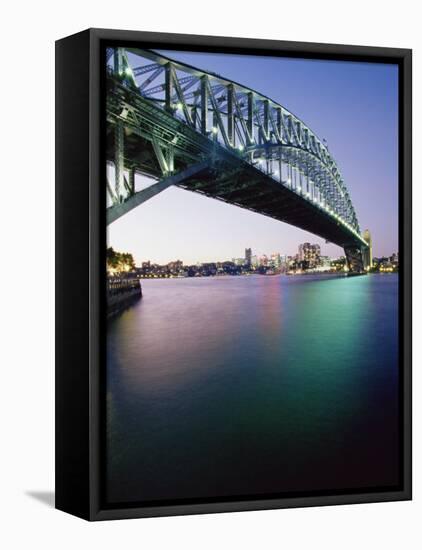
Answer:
[(78, 424), (405, 228), (72, 280)]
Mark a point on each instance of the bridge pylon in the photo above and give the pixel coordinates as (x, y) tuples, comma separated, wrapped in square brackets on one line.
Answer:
[(367, 253)]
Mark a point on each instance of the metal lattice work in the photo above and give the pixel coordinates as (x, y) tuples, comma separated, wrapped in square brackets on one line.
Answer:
[(254, 146)]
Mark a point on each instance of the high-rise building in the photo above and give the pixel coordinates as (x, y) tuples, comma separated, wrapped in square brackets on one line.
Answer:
[(248, 257), (263, 260), (310, 253), (367, 254), (301, 255), (275, 260), (283, 262)]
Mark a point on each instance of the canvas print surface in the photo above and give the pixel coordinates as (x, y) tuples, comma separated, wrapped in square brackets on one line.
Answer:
[(252, 277)]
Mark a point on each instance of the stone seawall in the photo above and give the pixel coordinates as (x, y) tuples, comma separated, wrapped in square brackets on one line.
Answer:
[(121, 294)]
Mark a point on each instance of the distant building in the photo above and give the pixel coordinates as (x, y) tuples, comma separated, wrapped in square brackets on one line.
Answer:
[(291, 260), (275, 261), (325, 262), (238, 261), (175, 266), (248, 257), (310, 254), (283, 262), (339, 264), (367, 254), (263, 260)]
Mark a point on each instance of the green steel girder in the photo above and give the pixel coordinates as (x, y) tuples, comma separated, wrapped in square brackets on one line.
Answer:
[(246, 126)]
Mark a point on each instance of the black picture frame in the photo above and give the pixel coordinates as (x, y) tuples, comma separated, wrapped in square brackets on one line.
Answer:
[(80, 249)]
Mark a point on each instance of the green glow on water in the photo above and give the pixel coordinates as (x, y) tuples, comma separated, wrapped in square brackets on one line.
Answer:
[(253, 384)]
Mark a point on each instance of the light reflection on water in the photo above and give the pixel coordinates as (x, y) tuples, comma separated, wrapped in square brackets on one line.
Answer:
[(247, 385)]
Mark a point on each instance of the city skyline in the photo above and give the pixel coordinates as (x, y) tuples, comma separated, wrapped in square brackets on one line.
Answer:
[(307, 260), (355, 110), (251, 257)]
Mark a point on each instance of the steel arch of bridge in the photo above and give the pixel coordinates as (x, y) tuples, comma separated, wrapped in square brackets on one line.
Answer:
[(186, 115)]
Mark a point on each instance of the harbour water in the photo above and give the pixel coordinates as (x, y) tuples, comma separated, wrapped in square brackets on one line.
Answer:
[(237, 386)]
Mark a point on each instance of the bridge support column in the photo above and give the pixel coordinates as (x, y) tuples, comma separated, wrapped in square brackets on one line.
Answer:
[(168, 86), (132, 181), (170, 159), (118, 61), (354, 258), (230, 115), (119, 160), (250, 125), (160, 157), (204, 104), (279, 123), (266, 127)]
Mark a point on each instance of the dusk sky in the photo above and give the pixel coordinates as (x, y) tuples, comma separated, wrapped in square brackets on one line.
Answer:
[(353, 106)]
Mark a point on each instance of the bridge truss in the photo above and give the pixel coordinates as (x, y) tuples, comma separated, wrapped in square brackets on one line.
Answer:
[(198, 130)]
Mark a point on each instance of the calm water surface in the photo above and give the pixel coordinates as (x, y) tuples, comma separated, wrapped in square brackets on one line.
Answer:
[(251, 385)]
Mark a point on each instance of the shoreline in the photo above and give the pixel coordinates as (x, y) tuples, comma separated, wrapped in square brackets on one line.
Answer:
[(306, 274)]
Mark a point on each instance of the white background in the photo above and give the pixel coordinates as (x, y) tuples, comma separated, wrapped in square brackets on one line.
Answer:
[(28, 31)]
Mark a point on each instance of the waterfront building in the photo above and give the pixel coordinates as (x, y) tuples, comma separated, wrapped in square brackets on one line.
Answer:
[(263, 261), (310, 254), (325, 263), (175, 267), (238, 261), (275, 261), (339, 264)]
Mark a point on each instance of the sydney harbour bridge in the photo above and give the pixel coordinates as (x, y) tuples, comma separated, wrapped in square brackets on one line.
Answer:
[(198, 130)]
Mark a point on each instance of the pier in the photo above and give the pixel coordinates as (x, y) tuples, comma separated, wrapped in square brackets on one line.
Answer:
[(121, 293)]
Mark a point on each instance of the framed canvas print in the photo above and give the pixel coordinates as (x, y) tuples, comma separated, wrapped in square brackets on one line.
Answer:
[(233, 274)]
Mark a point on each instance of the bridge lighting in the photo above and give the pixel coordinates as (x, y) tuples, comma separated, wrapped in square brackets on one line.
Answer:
[(291, 172)]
